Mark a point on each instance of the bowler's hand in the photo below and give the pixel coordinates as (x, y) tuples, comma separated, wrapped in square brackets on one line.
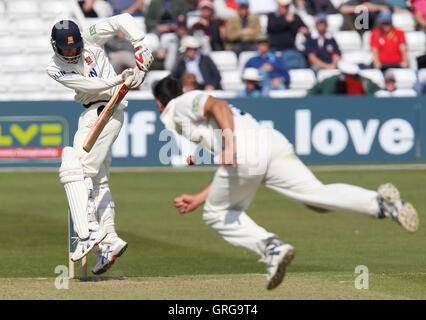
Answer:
[(186, 203)]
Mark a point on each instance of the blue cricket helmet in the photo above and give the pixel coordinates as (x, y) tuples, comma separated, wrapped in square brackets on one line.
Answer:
[(66, 35)]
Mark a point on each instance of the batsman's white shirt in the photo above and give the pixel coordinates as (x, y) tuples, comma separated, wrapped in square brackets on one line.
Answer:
[(93, 78), (233, 189)]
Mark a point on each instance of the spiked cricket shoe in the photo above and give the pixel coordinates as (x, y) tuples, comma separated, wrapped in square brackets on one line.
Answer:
[(392, 206), (110, 249), (278, 256)]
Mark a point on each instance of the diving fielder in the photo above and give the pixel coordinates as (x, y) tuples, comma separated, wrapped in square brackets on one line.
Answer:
[(250, 156), (80, 63)]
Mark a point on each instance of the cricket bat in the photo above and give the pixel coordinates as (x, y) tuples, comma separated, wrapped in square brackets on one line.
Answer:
[(107, 113)]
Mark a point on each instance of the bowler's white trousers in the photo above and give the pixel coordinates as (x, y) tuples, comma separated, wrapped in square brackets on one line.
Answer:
[(96, 163), (233, 189)]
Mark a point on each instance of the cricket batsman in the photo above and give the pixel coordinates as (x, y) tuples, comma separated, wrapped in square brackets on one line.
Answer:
[(250, 155), (81, 64)]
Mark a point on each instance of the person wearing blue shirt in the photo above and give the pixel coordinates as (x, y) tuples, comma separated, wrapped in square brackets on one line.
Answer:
[(321, 48), (271, 68)]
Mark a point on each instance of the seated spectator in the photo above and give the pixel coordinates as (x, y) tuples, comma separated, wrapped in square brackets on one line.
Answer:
[(189, 82), (283, 27), (391, 90), (171, 42), (352, 14), (133, 7), (271, 68), (419, 11), (314, 7), (388, 44), (120, 52), (348, 83), (210, 25), (161, 16), (253, 89), (321, 48), (242, 29), (206, 72)]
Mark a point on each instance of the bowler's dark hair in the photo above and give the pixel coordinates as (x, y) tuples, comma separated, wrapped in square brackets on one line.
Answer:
[(167, 89)]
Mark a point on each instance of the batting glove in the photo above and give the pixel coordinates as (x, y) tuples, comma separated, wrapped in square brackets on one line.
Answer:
[(127, 73), (143, 58), (139, 79)]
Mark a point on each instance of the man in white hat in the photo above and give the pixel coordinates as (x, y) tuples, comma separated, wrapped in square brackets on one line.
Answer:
[(253, 89), (202, 66)]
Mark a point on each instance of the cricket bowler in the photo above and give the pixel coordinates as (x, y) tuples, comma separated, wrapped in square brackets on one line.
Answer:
[(250, 155), (81, 64)]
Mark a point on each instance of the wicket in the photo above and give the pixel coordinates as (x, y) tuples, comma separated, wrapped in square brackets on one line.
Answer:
[(71, 239)]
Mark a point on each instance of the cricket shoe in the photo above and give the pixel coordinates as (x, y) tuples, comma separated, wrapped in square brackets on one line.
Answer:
[(392, 206), (110, 249), (277, 256), (84, 246)]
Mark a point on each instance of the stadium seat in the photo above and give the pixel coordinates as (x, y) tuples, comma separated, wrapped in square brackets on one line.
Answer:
[(327, 73), (39, 44), (140, 95), (302, 79), (23, 8), (152, 77), (405, 78), (152, 41), (225, 60), (18, 62), (4, 27), (416, 41), (6, 82), (30, 26), (422, 75), (10, 44), (244, 57), (53, 9), (231, 80), (335, 22), (374, 75), (358, 57), (191, 20), (366, 41), (404, 21), (338, 3), (277, 94), (2, 10), (308, 20), (348, 40), (29, 82), (221, 94), (263, 23)]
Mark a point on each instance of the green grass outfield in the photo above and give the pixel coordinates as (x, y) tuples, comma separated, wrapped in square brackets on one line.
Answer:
[(171, 256)]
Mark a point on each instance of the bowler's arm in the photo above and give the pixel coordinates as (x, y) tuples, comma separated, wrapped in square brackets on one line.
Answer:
[(220, 111)]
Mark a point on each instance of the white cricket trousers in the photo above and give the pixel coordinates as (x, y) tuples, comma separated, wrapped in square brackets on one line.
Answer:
[(97, 162), (233, 190)]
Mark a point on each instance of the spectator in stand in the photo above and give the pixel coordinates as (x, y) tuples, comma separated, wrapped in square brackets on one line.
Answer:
[(171, 42), (162, 15), (210, 25), (419, 11), (121, 53), (283, 26), (352, 16), (206, 72), (253, 89), (314, 7), (189, 82), (391, 90), (133, 7), (321, 48), (271, 68), (242, 29), (348, 83), (388, 44)]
